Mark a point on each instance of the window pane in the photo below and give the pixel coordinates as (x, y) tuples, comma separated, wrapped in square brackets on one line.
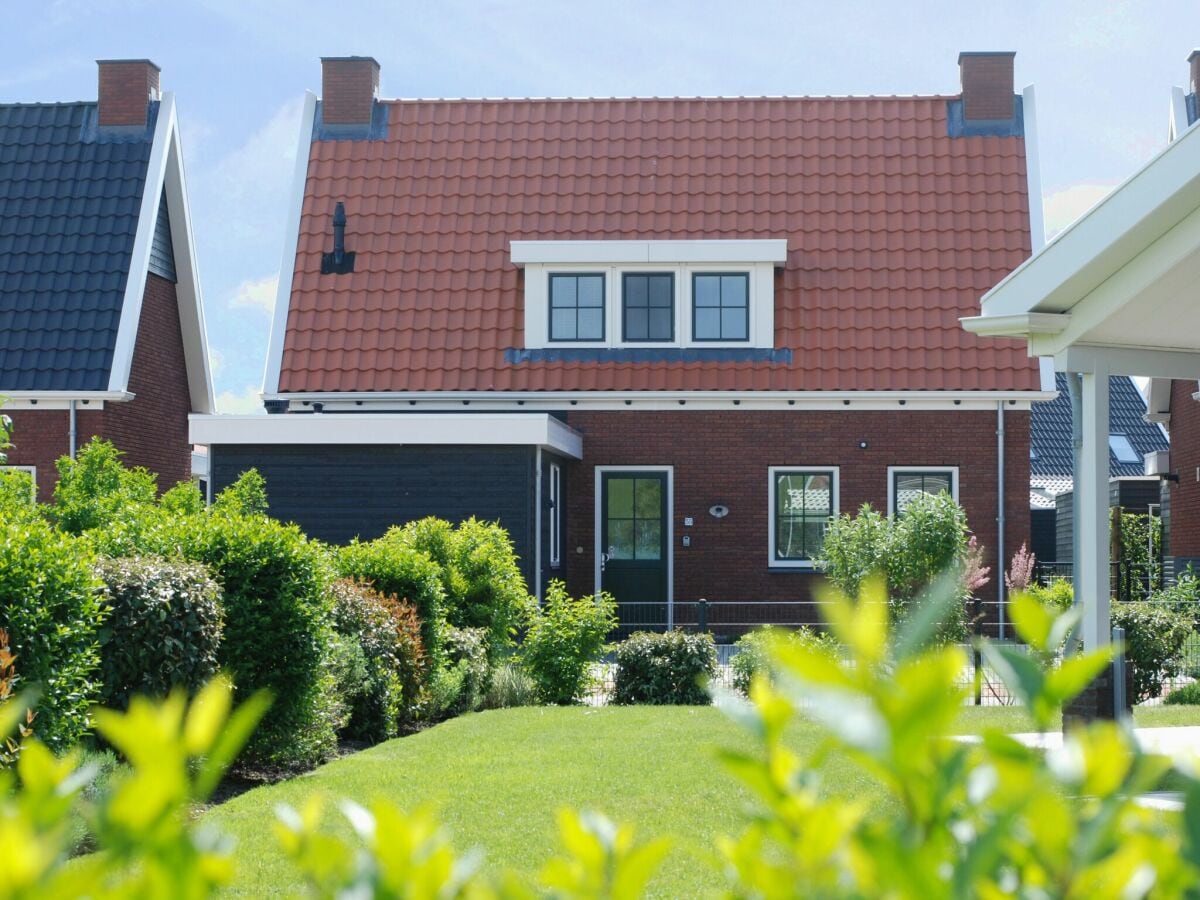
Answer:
[(648, 539), (648, 498), (636, 324), (620, 498), (707, 289), (635, 290), (591, 324), (660, 325), (937, 483), (803, 507), (661, 290), (591, 290), (562, 291), (562, 324), (620, 539), (708, 324), (733, 324), (733, 290), (910, 485)]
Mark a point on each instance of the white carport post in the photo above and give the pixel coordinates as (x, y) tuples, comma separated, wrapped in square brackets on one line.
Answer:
[(1091, 570)]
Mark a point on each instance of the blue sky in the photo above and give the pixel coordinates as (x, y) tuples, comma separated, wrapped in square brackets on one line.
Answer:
[(239, 69)]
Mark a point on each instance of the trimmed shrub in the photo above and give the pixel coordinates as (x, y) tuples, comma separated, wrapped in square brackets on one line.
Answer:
[(388, 634), (247, 496), (95, 489), (17, 495), (278, 625), (564, 637), (1154, 639), (665, 669), (51, 604), (912, 551), (460, 687), (163, 630), (348, 669), (482, 583), (755, 648), (183, 500), (511, 686), (1059, 594), (1188, 695), (397, 570)]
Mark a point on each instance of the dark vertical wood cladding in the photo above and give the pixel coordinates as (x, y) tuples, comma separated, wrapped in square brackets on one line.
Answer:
[(162, 252), (338, 493), (1043, 539)]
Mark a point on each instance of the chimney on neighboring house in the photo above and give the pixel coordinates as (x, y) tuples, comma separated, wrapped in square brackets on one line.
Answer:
[(126, 88), (987, 86), (1194, 82), (349, 86)]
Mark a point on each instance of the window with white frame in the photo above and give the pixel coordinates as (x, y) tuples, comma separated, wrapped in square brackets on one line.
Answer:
[(555, 516), (802, 501), (13, 473), (905, 484), (649, 294)]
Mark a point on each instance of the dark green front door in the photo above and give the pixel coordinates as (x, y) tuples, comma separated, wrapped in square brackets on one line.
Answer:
[(634, 545)]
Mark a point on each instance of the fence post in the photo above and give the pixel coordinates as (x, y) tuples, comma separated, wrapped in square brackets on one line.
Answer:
[(702, 616), (1118, 639)]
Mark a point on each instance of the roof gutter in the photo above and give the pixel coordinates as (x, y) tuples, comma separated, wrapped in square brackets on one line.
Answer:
[(66, 396), (846, 397)]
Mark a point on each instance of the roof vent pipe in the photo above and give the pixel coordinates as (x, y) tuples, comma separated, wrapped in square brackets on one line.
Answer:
[(339, 261)]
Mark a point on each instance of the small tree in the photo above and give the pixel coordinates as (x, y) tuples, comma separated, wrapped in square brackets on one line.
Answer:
[(95, 489), (565, 636)]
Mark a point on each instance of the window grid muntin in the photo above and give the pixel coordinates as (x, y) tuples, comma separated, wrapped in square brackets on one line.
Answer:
[(626, 293), (552, 307), (720, 306)]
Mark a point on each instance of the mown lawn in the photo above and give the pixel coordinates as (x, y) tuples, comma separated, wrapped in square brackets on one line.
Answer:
[(497, 778)]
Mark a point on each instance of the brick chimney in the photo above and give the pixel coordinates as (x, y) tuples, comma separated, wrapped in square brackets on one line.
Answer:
[(126, 87), (349, 86), (987, 86), (1194, 82)]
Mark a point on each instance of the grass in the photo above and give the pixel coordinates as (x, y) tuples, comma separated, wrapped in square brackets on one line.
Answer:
[(497, 778)]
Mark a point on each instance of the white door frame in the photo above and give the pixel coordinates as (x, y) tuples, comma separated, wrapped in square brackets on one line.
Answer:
[(597, 501)]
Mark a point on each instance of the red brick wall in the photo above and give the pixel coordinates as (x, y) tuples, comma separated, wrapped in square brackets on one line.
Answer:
[(125, 87), (347, 90), (987, 86), (723, 457), (151, 429), (1185, 459)]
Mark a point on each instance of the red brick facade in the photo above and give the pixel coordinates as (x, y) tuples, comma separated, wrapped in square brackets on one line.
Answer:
[(348, 89), (1185, 460), (987, 85), (151, 429), (723, 458), (126, 86)]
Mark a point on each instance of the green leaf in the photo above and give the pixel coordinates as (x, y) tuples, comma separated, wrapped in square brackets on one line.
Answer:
[(926, 615), (1020, 674), (1032, 620)]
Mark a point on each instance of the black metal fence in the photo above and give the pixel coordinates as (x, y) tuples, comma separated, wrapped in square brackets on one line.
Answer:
[(1129, 581)]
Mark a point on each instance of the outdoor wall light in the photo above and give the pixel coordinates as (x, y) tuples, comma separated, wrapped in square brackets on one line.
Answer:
[(862, 445), (718, 511)]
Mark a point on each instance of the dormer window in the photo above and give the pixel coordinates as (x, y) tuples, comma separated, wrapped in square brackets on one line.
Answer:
[(650, 294), (577, 307)]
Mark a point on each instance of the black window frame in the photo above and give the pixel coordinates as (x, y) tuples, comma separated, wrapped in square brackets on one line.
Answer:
[(550, 338), (720, 340), (924, 472), (625, 339), (780, 472)]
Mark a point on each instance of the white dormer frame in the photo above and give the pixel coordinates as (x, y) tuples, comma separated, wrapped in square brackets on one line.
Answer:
[(541, 259)]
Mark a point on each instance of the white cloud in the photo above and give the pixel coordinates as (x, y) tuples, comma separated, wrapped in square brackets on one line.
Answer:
[(246, 402), (1061, 208), (257, 293), (216, 361)]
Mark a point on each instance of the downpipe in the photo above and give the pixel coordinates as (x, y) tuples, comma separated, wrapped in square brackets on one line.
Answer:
[(1000, 520), (73, 431)]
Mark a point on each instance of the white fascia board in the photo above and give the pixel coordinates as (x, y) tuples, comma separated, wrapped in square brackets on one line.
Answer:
[(143, 240), (189, 296), (462, 429), (1135, 214), (287, 264), (85, 400), (714, 251), (1148, 362), (1021, 325)]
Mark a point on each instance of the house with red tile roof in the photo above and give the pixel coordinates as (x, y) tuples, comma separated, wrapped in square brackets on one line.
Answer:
[(662, 341), (101, 319)]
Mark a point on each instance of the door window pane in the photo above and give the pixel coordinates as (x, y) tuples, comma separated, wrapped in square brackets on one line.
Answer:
[(648, 535), (620, 539), (648, 498), (577, 307), (620, 498), (721, 307), (648, 307), (634, 518)]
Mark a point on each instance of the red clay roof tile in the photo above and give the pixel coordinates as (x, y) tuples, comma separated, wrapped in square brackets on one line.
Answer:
[(894, 230)]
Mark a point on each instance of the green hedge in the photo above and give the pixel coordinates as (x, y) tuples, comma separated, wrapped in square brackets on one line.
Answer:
[(665, 669), (1154, 639), (564, 637), (51, 604), (163, 631), (755, 649)]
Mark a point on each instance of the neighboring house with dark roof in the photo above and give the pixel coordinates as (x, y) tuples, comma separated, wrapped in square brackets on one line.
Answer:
[(661, 340), (1051, 461), (101, 323)]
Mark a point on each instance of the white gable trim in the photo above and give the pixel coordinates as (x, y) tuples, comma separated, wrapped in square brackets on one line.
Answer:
[(164, 172), (287, 265)]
